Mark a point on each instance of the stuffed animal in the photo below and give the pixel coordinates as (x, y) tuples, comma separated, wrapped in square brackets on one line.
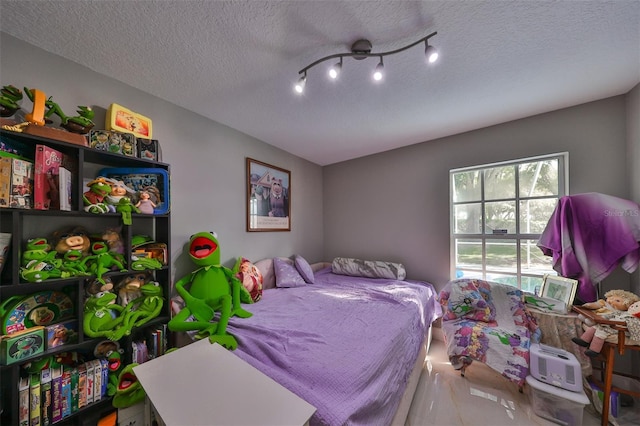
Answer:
[(614, 308), (619, 300), (213, 287), (94, 198)]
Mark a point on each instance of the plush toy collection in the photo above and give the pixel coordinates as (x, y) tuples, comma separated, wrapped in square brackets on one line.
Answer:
[(75, 252)]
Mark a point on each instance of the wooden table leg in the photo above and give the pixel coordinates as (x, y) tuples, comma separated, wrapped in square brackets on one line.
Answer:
[(609, 355)]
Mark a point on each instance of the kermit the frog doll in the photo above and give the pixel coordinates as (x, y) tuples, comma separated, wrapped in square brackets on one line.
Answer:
[(213, 288)]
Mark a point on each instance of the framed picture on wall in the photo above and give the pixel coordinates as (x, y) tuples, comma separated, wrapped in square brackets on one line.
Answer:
[(559, 288), (268, 197)]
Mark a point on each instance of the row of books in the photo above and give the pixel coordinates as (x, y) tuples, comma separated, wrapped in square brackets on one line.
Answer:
[(42, 183), (153, 346), (55, 393)]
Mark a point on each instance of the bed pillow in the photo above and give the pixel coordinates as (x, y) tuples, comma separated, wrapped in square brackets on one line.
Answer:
[(287, 276), (368, 268), (305, 270), (250, 277)]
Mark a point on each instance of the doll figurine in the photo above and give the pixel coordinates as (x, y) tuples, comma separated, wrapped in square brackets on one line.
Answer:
[(145, 204), (614, 308)]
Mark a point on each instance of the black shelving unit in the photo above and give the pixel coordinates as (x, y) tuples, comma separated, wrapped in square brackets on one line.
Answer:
[(24, 224)]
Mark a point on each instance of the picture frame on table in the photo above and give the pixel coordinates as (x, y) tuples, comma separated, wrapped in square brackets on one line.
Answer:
[(268, 197), (559, 288)]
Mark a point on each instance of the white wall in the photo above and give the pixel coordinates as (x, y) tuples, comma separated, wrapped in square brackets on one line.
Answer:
[(395, 205), (207, 159)]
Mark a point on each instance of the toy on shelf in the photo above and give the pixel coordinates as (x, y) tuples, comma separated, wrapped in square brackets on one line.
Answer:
[(118, 191), (74, 238), (613, 308), (102, 316), (94, 198), (102, 261), (213, 287), (95, 286), (9, 98), (125, 208), (39, 262), (145, 204), (128, 288), (146, 307), (80, 123)]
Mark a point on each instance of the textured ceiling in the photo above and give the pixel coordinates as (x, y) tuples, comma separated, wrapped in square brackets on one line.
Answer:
[(236, 62)]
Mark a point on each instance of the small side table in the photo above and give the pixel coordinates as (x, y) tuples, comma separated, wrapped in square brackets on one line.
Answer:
[(607, 360)]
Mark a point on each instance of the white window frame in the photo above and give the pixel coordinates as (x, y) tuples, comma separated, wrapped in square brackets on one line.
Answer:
[(518, 236)]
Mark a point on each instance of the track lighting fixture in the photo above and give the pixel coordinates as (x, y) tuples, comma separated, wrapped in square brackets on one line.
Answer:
[(334, 71), (379, 72), (360, 50), (299, 87)]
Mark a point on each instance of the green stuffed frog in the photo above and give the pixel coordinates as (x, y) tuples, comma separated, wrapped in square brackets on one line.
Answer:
[(146, 307), (102, 316), (102, 260), (129, 390), (213, 288)]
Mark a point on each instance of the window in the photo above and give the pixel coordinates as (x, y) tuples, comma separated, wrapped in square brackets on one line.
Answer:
[(498, 212)]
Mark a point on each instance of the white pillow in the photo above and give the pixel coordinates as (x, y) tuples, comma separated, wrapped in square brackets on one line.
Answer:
[(368, 268)]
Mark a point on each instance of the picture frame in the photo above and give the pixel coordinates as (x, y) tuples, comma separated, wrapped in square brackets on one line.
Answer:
[(559, 288), (268, 197)]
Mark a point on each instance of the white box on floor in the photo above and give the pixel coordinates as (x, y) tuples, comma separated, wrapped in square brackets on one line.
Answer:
[(556, 404)]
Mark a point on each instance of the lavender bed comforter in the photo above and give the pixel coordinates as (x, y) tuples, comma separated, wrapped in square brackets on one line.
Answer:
[(346, 345)]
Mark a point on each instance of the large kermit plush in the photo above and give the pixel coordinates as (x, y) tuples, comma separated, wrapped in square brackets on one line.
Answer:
[(213, 288)]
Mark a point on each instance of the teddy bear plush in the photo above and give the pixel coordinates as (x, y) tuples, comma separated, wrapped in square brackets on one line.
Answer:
[(616, 308)]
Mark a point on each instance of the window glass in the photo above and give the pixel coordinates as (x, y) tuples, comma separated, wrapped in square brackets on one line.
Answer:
[(466, 186), (468, 218), (498, 212), (499, 182), (500, 217)]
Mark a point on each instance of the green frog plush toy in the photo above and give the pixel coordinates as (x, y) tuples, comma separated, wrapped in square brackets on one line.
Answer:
[(213, 287)]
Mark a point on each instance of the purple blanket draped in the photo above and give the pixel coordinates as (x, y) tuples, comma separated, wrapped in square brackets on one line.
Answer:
[(346, 345), (589, 235)]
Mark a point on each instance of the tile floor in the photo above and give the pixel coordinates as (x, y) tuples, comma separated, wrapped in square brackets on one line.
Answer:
[(481, 397)]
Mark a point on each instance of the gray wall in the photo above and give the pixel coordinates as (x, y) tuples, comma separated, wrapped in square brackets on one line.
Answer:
[(207, 159), (395, 205)]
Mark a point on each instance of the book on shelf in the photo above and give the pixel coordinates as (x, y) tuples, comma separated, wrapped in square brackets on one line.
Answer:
[(64, 188), (46, 176), (16, 181), (24, 386), (46, 402)]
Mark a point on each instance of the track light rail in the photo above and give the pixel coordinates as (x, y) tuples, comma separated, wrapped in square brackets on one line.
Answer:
[(364, 54)]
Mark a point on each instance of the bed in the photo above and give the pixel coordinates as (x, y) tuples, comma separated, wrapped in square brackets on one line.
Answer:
[(351, 346)]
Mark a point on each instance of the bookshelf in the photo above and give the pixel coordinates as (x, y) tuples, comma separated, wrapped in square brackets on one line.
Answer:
[(24, 224)]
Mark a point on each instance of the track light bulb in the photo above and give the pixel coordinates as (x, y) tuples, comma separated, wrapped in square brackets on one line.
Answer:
[(334, 71), (379, 71), (431, 53), (299, 87)]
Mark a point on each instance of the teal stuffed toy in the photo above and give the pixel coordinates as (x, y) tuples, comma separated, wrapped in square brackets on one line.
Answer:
[(213, 287)]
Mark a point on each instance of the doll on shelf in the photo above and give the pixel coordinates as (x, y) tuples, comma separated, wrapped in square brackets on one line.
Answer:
[(615, 308), (145, 204)]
